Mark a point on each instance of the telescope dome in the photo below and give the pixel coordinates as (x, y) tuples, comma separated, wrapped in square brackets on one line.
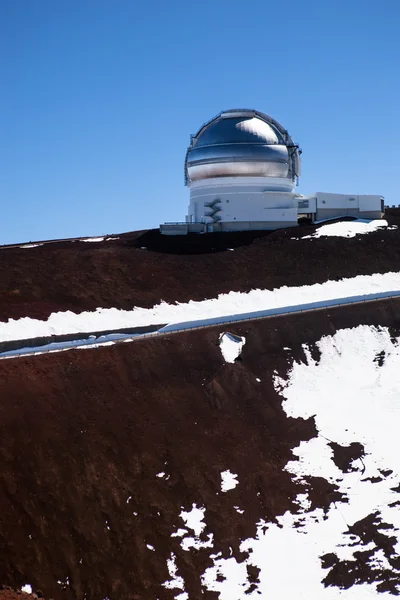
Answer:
[(241, 143)]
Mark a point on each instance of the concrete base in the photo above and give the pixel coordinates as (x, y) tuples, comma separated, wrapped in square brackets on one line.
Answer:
[(185, 228)]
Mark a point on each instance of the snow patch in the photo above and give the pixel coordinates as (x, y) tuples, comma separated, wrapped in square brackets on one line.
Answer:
[(179, 533), (353, 394), (231, 346), (228, 481), (357, 404), (194, 519), (238, 510), (349, 229), (31, 245), (27, 589), (94, 239), (176, 582), (197, 543)]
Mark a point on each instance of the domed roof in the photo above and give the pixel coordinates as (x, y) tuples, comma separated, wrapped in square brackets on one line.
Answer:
[(241, 143), (239, 130)]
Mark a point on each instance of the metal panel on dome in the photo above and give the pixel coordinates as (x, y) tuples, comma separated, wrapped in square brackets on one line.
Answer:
[(238, 169), (241, 160), (238, 131)]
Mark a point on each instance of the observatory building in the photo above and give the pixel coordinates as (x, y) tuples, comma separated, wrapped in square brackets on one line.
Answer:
[(242, 168)]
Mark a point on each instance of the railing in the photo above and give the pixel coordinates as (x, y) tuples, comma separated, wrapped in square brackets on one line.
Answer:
[(230, 319), (215, 206)]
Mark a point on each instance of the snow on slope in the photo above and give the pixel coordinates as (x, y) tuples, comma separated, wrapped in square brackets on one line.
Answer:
[(354, 392), (349, 228), (98, 239), (226, 304), (228, 481), (231, 346)]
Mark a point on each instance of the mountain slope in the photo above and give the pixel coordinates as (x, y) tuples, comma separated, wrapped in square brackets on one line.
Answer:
[(144, 268), (107, 454)]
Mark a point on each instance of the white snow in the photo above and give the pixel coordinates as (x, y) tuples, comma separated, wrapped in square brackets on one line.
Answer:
[(31, 245), (353, 400), (239, 510), (231, 346), (353, 392), (349, 228), (228, 481), (27, 589), (179, 533), (197, 543), (99, 239), (150, 547), (193, 519), (176, 582), (366, 395), (226, 306)]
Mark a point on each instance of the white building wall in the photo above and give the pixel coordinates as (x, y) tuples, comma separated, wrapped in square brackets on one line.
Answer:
[(349, 201), (243, 199), (245, 207), (262, 207), (346, 201), (270, 201), (366, 202)]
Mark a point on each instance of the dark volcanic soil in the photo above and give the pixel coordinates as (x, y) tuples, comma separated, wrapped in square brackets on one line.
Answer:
[(9, 594), (143, 268), (84, 434)]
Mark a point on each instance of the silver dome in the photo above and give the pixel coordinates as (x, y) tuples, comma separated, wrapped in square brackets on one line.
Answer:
[(241, 143)]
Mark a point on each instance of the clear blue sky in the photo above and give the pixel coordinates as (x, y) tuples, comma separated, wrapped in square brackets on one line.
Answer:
[(99, 97)]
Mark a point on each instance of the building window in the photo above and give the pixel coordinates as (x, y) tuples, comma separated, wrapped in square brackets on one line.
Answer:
[(352, 199), (303, 203)]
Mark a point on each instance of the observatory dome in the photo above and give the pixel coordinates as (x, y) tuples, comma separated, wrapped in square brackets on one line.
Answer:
[(241, 143)]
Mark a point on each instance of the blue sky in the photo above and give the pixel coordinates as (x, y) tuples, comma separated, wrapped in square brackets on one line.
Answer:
[(99, 98)]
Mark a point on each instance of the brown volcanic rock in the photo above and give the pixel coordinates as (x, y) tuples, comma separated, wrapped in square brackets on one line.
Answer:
[(6, 593), (144, 268), (85, 433), (11, 595)]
